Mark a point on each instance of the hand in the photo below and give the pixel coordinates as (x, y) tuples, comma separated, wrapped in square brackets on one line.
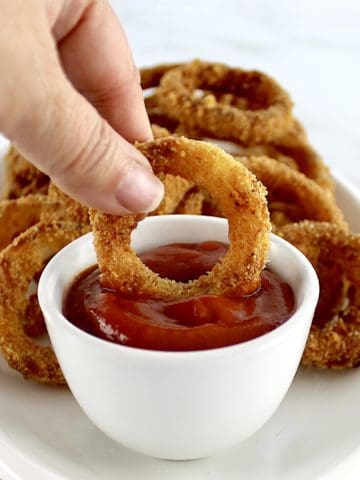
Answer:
[(71, 102)]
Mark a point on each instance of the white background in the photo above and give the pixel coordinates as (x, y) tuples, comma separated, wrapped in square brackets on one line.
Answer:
[(311, 47)]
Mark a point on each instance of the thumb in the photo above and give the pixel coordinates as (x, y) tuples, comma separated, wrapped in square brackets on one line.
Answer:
[(66, 138)]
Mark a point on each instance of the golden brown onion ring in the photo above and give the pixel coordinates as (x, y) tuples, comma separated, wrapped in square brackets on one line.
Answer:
[(242, 200), (261, 112)]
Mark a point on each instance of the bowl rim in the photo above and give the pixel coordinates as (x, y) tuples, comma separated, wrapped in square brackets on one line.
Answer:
[(49, 308)]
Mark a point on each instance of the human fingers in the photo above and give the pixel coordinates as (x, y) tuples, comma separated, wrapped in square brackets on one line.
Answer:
[(57, 129), (96, 56)]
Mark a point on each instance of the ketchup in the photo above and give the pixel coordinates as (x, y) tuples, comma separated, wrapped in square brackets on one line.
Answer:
[(195, 323)]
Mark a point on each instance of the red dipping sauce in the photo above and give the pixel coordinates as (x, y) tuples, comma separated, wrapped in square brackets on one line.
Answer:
[(196, 323)]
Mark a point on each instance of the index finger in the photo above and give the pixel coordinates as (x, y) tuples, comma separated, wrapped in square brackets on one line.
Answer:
[(97, 58)]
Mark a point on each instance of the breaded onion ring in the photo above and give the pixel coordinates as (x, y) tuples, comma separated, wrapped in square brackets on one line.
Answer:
[(242, 200), (334, 339), (18, 215), (289, 186), (291, 148), (19, 263), (259, 110)]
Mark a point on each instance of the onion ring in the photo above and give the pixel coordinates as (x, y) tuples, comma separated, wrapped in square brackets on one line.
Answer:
[(19, 263), (243, 202), (263, 117), (150, 78), (287, 185), (334, 339), (291, 147)]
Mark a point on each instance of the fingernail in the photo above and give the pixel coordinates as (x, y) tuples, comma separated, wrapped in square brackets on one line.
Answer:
[(140, 191)]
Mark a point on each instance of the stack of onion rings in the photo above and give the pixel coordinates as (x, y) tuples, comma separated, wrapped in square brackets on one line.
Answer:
[(198, 100), (305, 193), (262, 115), (288, 144)]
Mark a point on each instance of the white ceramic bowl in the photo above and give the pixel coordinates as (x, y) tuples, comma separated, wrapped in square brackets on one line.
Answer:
[(178, 405)]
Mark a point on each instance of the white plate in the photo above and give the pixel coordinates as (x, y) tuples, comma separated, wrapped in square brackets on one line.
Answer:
[(315, 434)]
